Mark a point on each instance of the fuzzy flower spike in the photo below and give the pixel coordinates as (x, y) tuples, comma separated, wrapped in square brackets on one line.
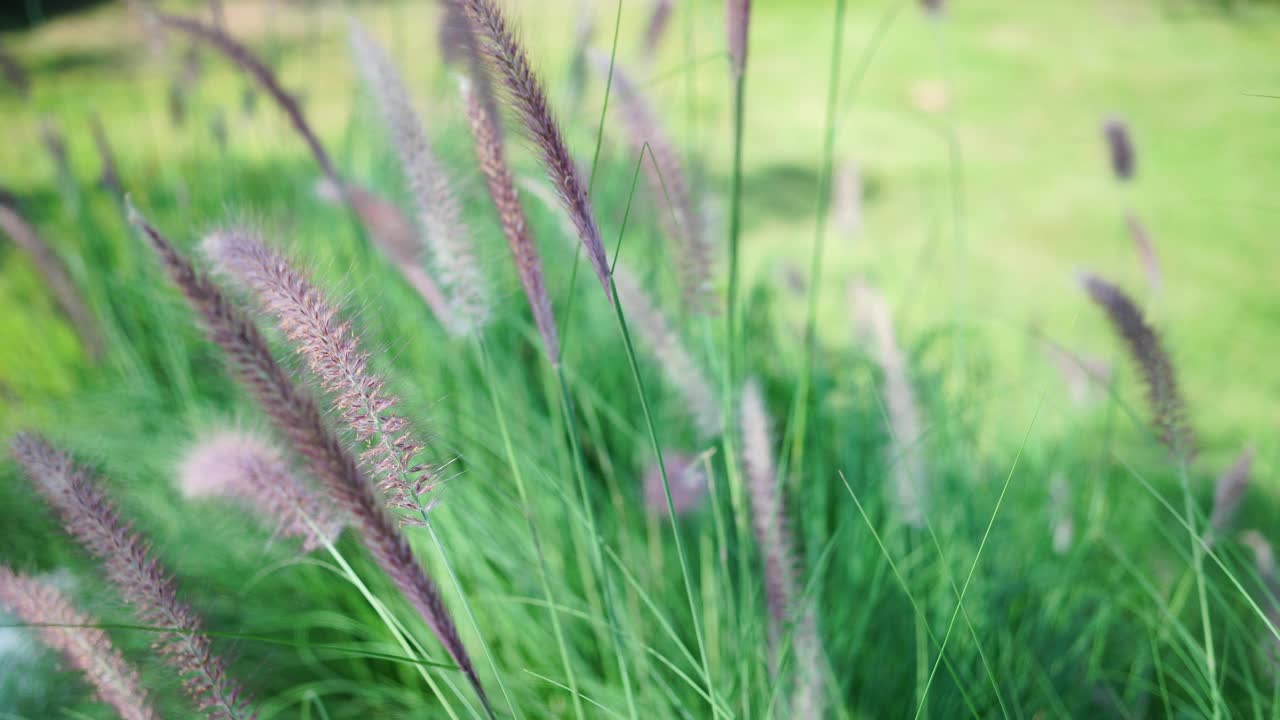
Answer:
[(93, 520)]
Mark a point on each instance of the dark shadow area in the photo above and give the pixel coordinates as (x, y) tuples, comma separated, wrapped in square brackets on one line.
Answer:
[(25, 14)]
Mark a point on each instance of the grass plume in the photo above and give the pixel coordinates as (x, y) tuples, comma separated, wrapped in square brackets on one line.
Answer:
[(688, 484), (331, 349), (781, 576), (1148, 354), (394, 235), (439, 214), (238, 465), (490, 154), (461, 46), (84, 647), (297, 417), (93, 520), (1264, 559), (678, 365), (496, 40), (1120, 149), (871, 310)]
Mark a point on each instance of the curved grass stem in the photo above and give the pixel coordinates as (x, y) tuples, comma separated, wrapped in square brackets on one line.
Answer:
[(543, 574), (633, 363)]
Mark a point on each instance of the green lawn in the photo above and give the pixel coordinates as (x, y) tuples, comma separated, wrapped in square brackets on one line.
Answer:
[(976, 218)]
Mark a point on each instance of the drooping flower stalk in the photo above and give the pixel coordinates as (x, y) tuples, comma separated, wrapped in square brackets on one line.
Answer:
[(1153, 363), (93, 520), (668, 185), (497, 43), (439, 215), (782, 583), (55, 274), (239, 465), (297, 418), (910, 495), (72, 634), (262, 75)]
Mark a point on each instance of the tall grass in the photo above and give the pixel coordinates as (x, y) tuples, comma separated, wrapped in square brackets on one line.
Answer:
[(613, 520)]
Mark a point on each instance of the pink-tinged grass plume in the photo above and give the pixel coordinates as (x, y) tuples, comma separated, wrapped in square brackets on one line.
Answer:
[(297, 418), (73, 635), (495, 39), (788, 609), (439, 214), (907, 462), (238, 465), (147, 587)]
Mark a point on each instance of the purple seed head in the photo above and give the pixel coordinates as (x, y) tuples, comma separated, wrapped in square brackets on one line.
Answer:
[(1119, 149)]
